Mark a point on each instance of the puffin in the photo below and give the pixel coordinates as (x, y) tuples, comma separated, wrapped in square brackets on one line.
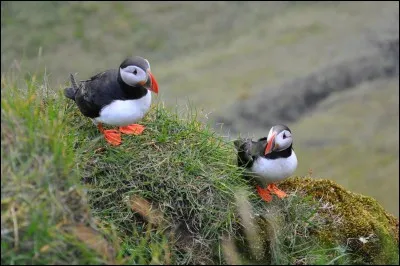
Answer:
[(116, 97), (268, 160)]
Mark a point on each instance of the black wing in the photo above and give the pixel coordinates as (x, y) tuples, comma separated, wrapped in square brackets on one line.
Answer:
[(245, 158), (97, 92), (97, 76)]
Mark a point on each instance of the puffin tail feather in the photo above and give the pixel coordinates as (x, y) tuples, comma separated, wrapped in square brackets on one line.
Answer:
[(70, 92)]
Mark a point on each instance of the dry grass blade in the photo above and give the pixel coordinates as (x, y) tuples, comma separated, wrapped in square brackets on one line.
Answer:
[(145, 209), (250, 229), (230, 252), (94, 240), (15, 224)]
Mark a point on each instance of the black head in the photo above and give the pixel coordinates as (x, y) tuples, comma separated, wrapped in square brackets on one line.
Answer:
[(136, 61)]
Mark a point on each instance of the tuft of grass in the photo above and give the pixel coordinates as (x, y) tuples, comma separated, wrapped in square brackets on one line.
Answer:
[(284, 233), (45, 217), (40, 192), (358, 222), (296, 239)]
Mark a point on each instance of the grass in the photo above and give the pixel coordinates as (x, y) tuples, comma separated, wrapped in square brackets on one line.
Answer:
[(39, 194), (285, 234), (178, 166), (172, 195), (356, 222)]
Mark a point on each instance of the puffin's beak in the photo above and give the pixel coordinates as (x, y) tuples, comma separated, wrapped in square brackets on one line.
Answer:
[(154, 84), (270, 144)]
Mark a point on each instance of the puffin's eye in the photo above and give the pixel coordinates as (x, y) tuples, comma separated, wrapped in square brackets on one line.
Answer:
[(284, 136), (135, 71)]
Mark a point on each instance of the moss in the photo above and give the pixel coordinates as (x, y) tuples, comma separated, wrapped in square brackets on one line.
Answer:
[(353, 220)]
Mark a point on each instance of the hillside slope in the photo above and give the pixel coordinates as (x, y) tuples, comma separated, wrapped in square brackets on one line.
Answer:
[(173, 195)]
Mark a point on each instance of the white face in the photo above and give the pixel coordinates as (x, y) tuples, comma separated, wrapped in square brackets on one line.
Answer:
[(133, 75), (283, 140)]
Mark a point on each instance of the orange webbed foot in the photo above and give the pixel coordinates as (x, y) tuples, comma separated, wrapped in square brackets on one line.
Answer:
[(274, 189), (264, 194), (134, 129), (112, 136)]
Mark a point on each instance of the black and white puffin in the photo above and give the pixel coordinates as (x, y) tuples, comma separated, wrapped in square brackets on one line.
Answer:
[(268, 160), (117, 97)]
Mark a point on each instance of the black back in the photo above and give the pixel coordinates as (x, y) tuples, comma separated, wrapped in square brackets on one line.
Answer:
[(103, 88), (245, 158)]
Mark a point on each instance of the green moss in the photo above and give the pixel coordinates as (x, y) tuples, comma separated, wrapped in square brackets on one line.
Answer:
[(354, 220)]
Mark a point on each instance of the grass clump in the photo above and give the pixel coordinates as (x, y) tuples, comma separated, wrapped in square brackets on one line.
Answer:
[(284, 232), (177, 167), (352, 220), (43, 208)]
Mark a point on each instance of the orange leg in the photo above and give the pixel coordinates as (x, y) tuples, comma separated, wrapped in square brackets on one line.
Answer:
[(112, 136), (134, 129), (274, 189), (264, 194)]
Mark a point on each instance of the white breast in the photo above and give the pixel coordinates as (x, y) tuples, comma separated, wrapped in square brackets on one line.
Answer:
[(271, 171), (124, 112)]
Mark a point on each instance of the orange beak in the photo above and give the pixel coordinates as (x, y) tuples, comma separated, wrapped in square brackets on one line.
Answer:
[(154, 84), (270, 144)]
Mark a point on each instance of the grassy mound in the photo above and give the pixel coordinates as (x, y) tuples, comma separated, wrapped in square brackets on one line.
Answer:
[(172, 195), (352, 219), (177, 166)]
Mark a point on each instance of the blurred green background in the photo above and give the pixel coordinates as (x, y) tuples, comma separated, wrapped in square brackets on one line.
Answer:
[(329, 70)]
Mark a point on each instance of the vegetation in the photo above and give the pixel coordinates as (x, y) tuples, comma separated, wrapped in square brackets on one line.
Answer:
[(170, 196), (359, 221), (41, 200)]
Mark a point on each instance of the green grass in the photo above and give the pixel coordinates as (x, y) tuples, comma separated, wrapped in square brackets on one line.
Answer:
[(39, 192), (285, 234), (169, 196), (177, 165)]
